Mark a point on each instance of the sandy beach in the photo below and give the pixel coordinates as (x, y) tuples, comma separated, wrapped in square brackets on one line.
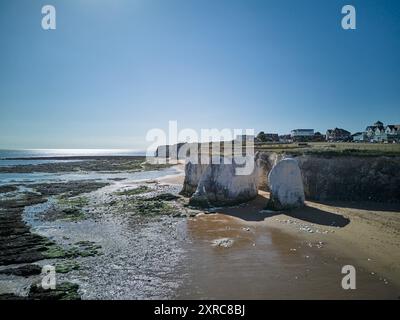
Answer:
[(293, 254), (127, 234), (297, 254)]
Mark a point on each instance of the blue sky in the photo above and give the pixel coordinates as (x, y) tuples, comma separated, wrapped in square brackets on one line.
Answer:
[(112, 70)]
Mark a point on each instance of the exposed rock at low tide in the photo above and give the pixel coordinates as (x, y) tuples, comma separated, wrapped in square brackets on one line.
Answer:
[(163, 197), (5, 189), (17, 243), (23, 271), (63, 291), (223, 242), (72, 188)]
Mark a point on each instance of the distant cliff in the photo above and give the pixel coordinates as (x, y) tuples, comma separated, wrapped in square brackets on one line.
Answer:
[(169, 151)]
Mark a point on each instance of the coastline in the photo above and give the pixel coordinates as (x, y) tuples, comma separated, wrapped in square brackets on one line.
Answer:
[(233, 252)]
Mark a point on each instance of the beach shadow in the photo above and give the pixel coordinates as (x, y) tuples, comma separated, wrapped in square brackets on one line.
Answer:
[(317, 216), (253, 212), (362, 205), (249, 216), (249, 211)]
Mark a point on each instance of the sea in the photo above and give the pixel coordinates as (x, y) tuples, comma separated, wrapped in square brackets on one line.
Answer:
[(7, 156)]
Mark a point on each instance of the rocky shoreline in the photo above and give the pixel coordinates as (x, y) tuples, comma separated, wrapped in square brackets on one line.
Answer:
[(85, 164), (24, 249), (18, 245), (133, 236)]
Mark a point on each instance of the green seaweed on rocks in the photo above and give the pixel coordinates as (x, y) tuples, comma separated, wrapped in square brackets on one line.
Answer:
[(54, 251), (69, 208), (67, 266), (68, 189), (63, 291), (73, 214), (163, 197), (80, 249), (147, 207), (147, 166), (131, 192), (80, 202), (86, 249)]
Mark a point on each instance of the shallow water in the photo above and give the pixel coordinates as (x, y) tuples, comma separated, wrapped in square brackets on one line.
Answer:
[(17, 178), (266, 263), (31, 153), (6, 155)]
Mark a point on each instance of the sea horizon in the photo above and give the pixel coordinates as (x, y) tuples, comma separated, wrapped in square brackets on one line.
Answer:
[(67, 152)]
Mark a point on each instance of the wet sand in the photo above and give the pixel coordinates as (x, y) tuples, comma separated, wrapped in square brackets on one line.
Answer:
[(174, 179), (237, 252), (292, 255)]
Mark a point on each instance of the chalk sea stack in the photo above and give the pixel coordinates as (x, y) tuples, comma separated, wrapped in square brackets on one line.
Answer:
[(286, 186), (220, 185)]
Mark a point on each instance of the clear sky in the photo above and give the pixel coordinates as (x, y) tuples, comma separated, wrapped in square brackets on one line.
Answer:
[(114, 69)]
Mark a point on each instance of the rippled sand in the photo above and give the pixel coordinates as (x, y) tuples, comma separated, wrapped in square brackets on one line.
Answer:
[(282, 256)]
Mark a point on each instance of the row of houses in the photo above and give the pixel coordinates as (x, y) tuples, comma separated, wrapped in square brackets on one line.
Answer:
[(378, 132)]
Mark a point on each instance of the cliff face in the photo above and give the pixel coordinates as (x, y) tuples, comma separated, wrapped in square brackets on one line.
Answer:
[(171, 151), (286, 185), (219, 185), (351, 178), (193, 173), (264, 162)]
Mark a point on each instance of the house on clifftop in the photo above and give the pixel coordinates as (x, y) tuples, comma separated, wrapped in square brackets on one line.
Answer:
[(338, 135), (380, 133)]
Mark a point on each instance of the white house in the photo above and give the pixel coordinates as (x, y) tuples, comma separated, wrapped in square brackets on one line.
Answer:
[(360, 137), (380, 133), (302, 133)]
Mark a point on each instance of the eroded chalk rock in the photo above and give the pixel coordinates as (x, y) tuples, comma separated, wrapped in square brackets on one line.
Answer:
[(286, 185), (264, 162), (221, 185), (193, 172)]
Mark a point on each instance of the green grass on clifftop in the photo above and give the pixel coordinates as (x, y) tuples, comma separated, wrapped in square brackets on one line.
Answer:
[(333, 149)]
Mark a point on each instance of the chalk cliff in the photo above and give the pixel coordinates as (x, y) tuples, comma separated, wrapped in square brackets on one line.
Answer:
[(264, 162), (286, 185), (220, 185), (193, 172), (351, 178)]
